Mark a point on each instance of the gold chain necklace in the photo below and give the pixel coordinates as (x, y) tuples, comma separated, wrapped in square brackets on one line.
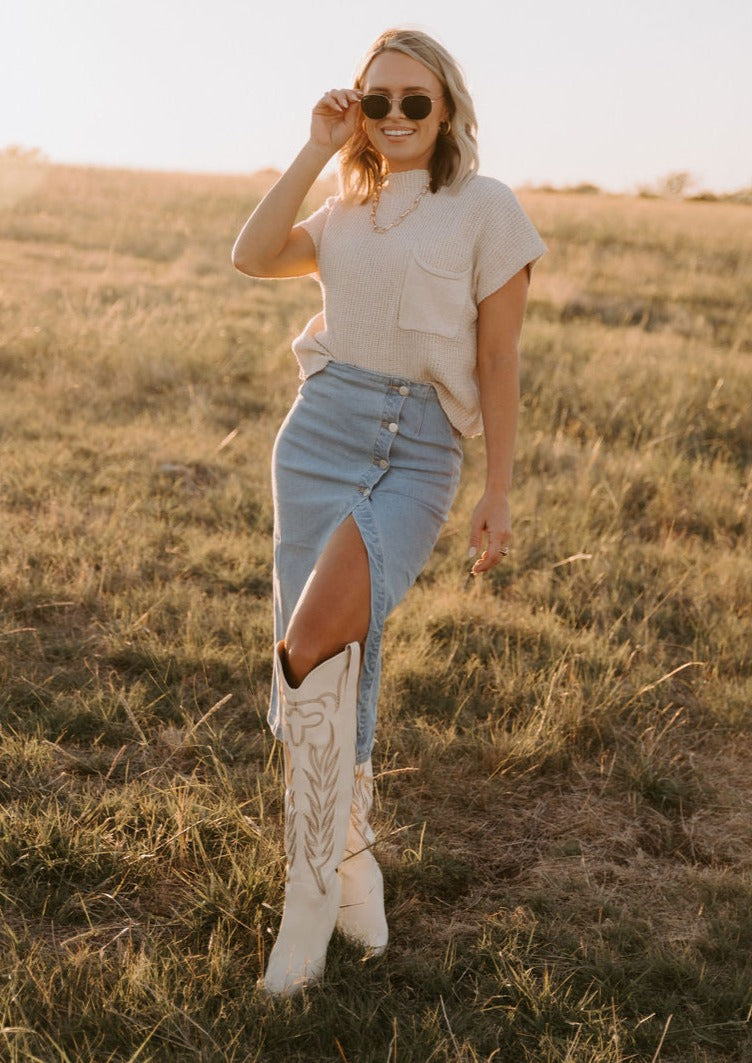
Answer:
[(375, 206)]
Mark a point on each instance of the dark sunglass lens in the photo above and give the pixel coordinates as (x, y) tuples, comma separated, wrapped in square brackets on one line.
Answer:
[(416, 107), (375, 106)]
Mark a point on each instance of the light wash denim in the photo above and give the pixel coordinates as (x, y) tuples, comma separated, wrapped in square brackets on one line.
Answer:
[(382, 449)]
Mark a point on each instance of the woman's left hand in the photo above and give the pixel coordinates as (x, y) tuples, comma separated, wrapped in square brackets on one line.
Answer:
[(490, 530)]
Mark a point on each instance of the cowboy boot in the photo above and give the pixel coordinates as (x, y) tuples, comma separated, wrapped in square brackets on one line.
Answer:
[(319, 731), (361, 907)]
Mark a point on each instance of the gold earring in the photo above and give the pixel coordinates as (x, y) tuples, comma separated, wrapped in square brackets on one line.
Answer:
[(445, 128)]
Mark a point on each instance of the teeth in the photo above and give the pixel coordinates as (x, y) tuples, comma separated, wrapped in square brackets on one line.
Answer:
[(398, 132)]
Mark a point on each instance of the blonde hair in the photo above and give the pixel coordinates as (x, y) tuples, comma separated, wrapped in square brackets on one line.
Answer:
[(455, 157)]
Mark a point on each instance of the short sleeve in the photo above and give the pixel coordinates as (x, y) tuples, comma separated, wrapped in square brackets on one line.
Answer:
[(314, 223), (506, 241)]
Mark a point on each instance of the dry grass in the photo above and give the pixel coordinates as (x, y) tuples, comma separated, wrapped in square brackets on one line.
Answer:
[(564, 811)]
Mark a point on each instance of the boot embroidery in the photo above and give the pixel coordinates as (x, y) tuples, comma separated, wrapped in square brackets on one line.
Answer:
[(361, 806), (318, 842), (300, 721), (291, 816)]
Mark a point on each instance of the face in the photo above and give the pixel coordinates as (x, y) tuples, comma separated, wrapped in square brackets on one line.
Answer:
[(406, 144)]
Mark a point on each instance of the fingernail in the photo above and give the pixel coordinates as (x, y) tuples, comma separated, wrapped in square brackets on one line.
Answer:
[(472, 551)]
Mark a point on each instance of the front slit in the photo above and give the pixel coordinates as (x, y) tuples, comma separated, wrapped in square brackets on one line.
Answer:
[(370, 671)]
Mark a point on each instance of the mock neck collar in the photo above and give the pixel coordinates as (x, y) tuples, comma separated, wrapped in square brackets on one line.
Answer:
[(406, 181)]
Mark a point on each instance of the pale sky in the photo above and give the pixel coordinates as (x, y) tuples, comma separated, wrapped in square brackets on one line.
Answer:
[(615, 92)]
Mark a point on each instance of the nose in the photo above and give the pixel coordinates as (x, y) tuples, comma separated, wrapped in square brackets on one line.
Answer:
[(394, 108)]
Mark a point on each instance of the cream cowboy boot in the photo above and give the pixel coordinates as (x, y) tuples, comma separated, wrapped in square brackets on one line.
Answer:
[(361, 906), (319, 731)]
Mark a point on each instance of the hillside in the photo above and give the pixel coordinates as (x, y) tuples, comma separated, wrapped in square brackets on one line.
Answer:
[(563, 750)]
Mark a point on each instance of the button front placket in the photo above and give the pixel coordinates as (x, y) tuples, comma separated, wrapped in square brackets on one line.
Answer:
[(394, 399)]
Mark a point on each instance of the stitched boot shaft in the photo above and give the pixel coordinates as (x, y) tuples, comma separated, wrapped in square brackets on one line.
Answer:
[(361, 906), (319, 732)]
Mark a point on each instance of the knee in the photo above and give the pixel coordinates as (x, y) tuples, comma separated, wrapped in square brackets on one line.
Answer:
[(303, 651)]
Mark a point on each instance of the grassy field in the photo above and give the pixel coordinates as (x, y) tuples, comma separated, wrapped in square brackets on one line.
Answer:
[(565, 794)]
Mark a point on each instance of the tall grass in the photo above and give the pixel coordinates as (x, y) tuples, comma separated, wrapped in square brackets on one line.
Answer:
[(564, 795)]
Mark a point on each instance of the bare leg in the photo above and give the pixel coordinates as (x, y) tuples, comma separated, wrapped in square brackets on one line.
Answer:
[(335, 606)]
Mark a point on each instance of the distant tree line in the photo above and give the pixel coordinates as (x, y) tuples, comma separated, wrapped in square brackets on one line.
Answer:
[(678, 184)]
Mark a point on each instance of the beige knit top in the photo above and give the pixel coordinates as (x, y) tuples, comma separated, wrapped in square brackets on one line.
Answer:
[(405, 302)]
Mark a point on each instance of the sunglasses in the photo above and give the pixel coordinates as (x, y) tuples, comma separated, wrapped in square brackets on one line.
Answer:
[(376, 105)]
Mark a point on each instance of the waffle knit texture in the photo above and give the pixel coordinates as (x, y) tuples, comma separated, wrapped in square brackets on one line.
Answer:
[(405, 302)]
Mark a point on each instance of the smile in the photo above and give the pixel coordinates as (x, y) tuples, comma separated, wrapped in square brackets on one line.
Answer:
[(397, 132)]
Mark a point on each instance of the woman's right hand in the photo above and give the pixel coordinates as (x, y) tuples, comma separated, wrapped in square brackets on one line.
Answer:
[(335, 118), (270, 244)]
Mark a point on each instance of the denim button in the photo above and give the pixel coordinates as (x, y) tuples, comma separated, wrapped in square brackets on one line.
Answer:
[(393, 426), (383, 464), (404, 390)]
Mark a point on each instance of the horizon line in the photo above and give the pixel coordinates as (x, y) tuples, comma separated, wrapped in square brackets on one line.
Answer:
[(686, 184)]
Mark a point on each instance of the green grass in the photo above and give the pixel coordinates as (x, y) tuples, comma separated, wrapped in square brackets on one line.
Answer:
[(563, 749)]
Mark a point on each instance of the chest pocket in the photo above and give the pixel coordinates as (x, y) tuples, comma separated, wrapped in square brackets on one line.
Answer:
[(433, 300)]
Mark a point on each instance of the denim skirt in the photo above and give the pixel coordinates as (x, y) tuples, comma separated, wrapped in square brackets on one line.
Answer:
[(382, 449)]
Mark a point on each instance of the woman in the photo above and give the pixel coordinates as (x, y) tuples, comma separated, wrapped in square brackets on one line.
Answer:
[(424, 268)]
